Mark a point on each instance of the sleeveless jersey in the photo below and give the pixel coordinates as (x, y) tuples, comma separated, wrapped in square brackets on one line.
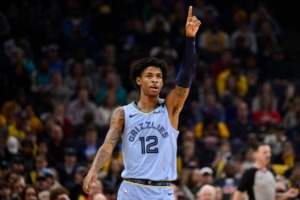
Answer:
[(149, 144)]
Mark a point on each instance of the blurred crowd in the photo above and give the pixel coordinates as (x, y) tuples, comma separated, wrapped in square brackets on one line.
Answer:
[(64, 67)]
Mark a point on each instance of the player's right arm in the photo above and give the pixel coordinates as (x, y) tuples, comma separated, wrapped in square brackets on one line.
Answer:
[(104, 152)]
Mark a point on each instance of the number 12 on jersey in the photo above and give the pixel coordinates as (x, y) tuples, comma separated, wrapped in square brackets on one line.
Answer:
[(148, 144)]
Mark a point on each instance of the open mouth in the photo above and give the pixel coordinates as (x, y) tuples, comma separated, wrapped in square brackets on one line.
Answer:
[(154, 88)]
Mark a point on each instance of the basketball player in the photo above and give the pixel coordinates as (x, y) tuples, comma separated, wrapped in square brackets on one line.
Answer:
[(148, 128)]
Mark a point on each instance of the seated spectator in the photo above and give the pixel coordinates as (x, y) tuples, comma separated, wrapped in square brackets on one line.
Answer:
[(249, 41), (5, 191), (113, 178), (20, 127), (279, 68), (293, 134), (275, 137), (68, 168), (56, 64), (81, 105), (41, 79), (75, 76), (59, 193), (60, 93), (89, 145), (76, 192), (112, 83), (18, 187), (288, 98), (210, 119), (266, 115), (88, 123), (241, 127), (288, 156), (106, 109), (207, 192), (40, 163), (17, 57), (233, 71), (266, 89), (60, 118), (222, 157), (221, 64), (213, 42), (56, 143), (228, 182), (29, 193)]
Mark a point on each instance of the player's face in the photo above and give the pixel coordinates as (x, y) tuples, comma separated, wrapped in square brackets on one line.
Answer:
[(151, 81), (263, 155)]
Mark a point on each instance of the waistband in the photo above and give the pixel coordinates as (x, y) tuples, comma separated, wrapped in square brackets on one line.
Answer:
[(148, 182)]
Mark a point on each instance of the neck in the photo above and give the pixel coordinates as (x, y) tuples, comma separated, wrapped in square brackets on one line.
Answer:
[(259, 165), (147, 103)]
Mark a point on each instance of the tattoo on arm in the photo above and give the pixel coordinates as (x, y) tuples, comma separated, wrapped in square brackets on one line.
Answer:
[(112, 138), (181, 92)]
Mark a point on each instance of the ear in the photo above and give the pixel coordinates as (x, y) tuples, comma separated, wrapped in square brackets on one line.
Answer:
[(138, 81)]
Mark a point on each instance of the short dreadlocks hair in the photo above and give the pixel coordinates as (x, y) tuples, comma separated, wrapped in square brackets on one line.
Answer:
[(138, 67)]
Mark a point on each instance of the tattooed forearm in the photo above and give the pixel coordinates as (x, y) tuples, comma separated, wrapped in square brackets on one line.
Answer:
[(101, 158), (112, 138)]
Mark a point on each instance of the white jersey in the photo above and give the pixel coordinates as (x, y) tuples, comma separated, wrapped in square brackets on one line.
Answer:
[(149, 144)]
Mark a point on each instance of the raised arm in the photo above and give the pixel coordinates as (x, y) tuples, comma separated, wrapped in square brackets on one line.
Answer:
[(105, 151), (177, 97)]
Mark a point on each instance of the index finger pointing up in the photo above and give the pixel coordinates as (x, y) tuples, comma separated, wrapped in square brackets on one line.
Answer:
[(190, 13)]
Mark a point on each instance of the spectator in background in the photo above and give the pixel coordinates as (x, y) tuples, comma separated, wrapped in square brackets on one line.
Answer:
[(29, 193), (210, 119), (249, 38), (59, 193), (241, 127), (81, 105), (266, 115), (57, 142), (112, 83), (18, 187), (75, 26), (293, 134), (75, 76), (18, 77), (5, 191), (113, 178), (222, 64), (90, 144), (207, 192), (88, 123), (60, 118), (81, 56), (76, 192), (213, 42), (228, 182), (279, 68), (42, 78), (235, 72), (265, 90), (67, 169), (56, 64), (222, 157), (106, 109), (60, 93)]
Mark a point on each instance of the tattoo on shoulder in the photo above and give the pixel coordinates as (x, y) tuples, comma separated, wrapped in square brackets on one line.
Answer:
[(116, 126)]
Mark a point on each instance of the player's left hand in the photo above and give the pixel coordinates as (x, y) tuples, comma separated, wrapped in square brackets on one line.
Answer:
[(192, 24)]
